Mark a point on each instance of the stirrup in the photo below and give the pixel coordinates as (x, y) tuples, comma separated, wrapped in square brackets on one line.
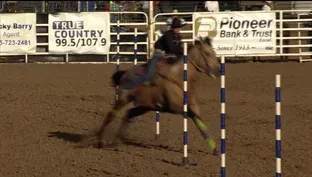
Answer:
[(147, 83)]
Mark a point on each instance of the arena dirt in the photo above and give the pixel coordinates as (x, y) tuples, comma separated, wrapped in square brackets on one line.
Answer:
[(45, 109)]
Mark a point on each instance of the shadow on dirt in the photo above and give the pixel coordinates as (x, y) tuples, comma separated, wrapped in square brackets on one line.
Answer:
[(81, 143), (71, 137), (78, 138)]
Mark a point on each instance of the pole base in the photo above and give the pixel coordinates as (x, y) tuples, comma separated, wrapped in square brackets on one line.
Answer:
[(157, 137), (185, 162)]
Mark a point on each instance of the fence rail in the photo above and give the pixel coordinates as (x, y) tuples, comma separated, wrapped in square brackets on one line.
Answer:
[(291, 34), (293, 38), (128, 22)]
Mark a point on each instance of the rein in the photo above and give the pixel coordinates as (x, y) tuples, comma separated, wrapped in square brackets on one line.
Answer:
[(193, 63), (197, 67), (176, 82)]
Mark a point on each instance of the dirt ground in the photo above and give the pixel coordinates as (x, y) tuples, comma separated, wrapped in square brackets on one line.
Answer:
[(45, 109)]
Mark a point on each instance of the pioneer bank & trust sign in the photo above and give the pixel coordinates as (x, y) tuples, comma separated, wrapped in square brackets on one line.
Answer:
[(228, 27), (238, 32), (253, 28)]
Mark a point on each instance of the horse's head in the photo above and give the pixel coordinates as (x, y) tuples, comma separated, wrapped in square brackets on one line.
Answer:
[(204, 57)]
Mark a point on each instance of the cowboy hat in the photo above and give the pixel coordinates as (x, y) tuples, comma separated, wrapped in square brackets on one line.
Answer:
[(176, 23)]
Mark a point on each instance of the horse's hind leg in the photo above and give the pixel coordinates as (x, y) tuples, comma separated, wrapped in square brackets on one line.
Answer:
[(95, 138), (131, 113), (123, 101)]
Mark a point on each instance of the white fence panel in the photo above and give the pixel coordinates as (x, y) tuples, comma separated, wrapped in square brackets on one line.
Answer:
[(292, 28), (293, 34), (17, 34), (128, 21)]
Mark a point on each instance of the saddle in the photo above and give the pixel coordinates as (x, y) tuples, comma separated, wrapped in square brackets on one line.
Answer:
[(161, 65), (140, 71), (164, 63)]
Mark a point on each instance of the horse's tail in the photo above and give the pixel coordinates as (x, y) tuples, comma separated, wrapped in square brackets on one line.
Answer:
[(115, 79)]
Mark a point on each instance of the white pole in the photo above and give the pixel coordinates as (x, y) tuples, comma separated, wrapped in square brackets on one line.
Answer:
[(151, 28), (79, 6)]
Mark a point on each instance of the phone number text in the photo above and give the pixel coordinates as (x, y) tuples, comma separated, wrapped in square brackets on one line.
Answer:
[(81, 42), (14, 42)]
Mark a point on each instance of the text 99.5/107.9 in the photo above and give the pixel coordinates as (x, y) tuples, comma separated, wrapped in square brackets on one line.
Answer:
[(77, 42)]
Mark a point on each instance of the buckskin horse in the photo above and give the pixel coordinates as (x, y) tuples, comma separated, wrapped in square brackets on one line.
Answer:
[(166, 92)]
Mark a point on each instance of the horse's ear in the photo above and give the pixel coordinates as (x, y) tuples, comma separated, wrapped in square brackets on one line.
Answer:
[(207, 40), (201, 39), (198, 42)]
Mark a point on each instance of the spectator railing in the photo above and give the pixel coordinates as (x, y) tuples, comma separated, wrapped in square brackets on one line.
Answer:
[(292, 40), (291, 35), (128, 21)]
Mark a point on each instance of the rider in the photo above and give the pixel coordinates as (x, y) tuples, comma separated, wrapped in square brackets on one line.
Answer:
[(169, 20), (170, 43)]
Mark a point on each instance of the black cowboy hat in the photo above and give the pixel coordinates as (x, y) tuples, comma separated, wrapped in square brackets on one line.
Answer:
[(176, 23)]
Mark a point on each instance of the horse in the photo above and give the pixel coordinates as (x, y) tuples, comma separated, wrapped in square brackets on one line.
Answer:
[(166, 92)]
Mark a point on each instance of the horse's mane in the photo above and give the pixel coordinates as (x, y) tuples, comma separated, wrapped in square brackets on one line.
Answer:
[(197, 43), (207, 40)]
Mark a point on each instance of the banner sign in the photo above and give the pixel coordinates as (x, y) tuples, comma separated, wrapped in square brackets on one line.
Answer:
[(238, 32), (79, 33), (18, 34)]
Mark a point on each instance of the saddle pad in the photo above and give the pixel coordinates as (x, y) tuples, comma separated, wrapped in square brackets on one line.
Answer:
[(161, 63), (141, 71)]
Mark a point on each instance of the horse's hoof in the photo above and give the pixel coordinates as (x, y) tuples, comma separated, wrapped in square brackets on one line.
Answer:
[(215, 152), (85, 142), (99, 145), (112, 145)]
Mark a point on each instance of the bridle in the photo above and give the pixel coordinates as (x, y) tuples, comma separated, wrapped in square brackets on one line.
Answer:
[(196, 66), (193, 63)]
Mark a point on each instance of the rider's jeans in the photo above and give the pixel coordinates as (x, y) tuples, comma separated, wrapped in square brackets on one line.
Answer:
[(151, 67)]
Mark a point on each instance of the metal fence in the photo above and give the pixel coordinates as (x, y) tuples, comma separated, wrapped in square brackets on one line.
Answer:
[(128, 22), (162, 7), (69, 6), (126, 45), (293, 33), (39, 6)]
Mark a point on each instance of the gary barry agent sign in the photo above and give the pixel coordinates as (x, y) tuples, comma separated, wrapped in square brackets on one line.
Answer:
[(80, 33), (17, 34), (238, 32)]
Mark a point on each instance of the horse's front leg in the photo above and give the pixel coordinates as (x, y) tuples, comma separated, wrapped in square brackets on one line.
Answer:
[(194, 113)]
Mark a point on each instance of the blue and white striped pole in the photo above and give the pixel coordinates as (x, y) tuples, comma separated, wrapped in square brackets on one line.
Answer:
[(278, 125), (135, 53), (157, 125), (223, 116), (185, 161), (118, 57), (185, 134), (157, 114)]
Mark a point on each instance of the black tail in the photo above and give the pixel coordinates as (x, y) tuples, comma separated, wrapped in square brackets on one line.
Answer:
[(116, 78)]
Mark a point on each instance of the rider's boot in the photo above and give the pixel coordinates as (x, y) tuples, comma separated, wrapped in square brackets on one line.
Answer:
[(147, 83)]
